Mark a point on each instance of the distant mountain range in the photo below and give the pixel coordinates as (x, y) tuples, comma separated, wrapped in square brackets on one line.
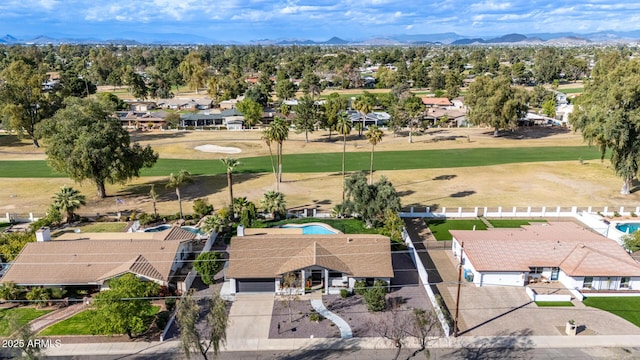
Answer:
[(450, 38)]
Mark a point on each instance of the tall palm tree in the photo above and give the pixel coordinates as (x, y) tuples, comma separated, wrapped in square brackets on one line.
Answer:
[(154, 197), (267, 137), (343, 127), (278, 132), (374, 135), (175, 181), (68, 199), (364, 106), (273, 202), (230, 164)]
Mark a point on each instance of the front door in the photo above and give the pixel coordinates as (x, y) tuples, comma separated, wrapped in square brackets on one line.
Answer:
[(316, 277)]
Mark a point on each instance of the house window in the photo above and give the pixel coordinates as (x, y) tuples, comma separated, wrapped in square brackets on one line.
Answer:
[(535, 270), (588, 282), (335, 274), (624, 282)]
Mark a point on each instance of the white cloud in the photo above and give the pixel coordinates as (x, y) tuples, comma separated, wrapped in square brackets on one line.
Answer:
[(491, 6)]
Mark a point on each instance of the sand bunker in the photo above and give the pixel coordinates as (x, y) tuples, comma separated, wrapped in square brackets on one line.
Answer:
[(218, 149)]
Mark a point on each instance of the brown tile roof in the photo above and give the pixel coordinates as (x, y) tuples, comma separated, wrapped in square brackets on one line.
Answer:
[(268, 256), (574, 249), (434, 101), (91, 261)]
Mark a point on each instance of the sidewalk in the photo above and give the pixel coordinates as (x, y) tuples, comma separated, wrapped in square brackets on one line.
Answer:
[(147, 348), (56, 316)]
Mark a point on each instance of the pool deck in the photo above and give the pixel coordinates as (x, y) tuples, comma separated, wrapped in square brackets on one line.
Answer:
[(291, 229)]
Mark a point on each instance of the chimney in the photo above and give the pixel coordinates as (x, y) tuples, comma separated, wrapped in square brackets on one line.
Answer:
[(43, 234), (240, 230)]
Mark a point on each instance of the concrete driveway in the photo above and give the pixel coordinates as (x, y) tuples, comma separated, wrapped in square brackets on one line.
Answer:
[(250, 318)]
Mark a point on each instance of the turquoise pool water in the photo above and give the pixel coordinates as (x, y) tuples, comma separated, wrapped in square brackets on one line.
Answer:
[(165, 227), (312, 229), (628, 227)]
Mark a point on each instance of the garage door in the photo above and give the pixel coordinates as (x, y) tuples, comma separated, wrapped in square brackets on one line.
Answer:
[(256, 285)]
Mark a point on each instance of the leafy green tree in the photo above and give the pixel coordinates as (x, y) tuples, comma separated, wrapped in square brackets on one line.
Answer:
[(374, 135), (547, 65), (172, 120), (86, 142), (631, 242), (123, 308), (393, 225), (137, 86), (68, 200), (333, 107), (306, 116), (176, 181), (375, 296), (285, 89), (195, 340), (111, 101), (364, 104), (539, 95), (193, 70), (11, 244), (201, 207), (252, 112), (608, 114), (274, 203), (23, 104), (258, 93), (549, 108), (343, 127), (496, 103), (208, 264), (230, 164), (370, 202), (414, 108)]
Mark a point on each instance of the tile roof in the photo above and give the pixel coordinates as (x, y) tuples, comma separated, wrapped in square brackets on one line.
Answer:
[(78, 262), (269, 256), (574, 249)]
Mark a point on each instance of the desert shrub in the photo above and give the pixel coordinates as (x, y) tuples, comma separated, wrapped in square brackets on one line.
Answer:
[(314, 316), (375, 297), (201, 207), (360, 287), (344, 293)]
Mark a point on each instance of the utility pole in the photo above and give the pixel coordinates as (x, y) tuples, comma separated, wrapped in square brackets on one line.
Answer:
[(455, 321)]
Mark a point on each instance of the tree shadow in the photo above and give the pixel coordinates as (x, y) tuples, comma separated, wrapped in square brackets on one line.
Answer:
[(445, 177), (345, 348), (495, 318), (531, 132), (513, 345), (202, 186), (462, 194), (406, 193), (143, 136)]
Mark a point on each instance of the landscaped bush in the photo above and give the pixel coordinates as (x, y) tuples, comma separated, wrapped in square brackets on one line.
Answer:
[(170, 304), (360, 287), (146, 219), (444, 310), (344, 293), (162, 319), (375, 297), (57, 293), (133, 216), (314, 316), (201, 207)]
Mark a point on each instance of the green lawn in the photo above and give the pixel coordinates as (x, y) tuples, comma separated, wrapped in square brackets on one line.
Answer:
[(331, 162), (625, 307), (78, 324), (513, 223), (440, 228), (553, 303), (103, 227), (25, 315), (578, 90), (347, 226)]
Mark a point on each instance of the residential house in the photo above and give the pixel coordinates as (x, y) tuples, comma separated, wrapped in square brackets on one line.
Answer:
[(259, 262), (378, 118), (204, 103), (436, 102), (141, 120), (560, 252), (90, 260), (141, 105)]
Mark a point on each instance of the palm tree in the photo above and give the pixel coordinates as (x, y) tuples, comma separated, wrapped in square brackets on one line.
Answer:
[(245, 210), (273, 202), (231, 164), (68, 199), (375, 136), (364, 106), (154, 197), (343, 127), (278, 132), (215, 223), (175, 181), (266, 136)]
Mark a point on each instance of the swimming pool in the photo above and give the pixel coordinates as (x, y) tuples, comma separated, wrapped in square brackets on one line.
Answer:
[(313, 229), (628, 228), (165, 227)]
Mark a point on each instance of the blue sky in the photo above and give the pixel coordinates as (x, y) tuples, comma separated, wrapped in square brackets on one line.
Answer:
[(244, 20)]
